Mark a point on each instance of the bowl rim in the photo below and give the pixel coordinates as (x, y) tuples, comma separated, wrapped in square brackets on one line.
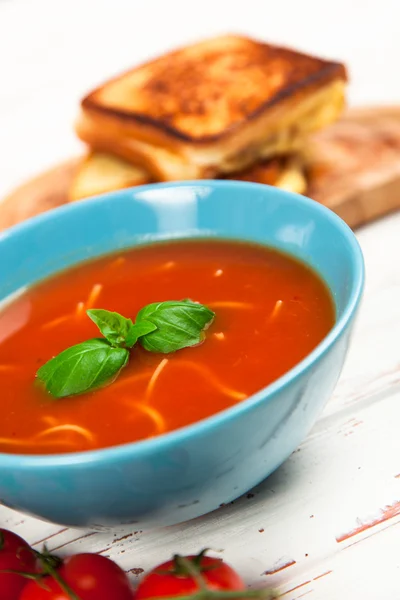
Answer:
[(158, 443)]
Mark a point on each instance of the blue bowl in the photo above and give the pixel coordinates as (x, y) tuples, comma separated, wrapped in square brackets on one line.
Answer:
[(191, 471)]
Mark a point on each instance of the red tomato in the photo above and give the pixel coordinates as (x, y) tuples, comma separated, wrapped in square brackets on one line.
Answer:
[(11, 542), (89, 576), (172, 579), (15, 555)]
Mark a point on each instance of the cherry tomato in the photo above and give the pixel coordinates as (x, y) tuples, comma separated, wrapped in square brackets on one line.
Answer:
[(15, 555), (11, 542), (89, 576), (172, 578)]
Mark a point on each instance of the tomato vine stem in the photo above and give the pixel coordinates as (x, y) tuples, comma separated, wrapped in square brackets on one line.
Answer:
[(208, 594)]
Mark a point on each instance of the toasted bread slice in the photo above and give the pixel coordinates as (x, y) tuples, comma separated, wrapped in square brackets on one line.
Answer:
[(100, 172), (213, 107)]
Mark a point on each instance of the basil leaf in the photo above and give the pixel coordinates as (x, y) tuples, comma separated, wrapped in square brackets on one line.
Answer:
[(179, 324), (82, 368), (138, 330), (118, 330), (112, 325)]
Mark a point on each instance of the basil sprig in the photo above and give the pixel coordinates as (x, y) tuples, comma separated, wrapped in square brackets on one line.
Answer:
[(118, 330), (159, 327)]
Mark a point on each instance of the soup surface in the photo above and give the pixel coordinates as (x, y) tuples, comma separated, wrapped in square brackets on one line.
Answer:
[(271, 311)]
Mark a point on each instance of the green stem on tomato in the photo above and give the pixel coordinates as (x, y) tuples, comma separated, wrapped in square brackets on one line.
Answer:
[(64, 586), (50, 560), (34, 576), (47, 562), (192, 570), (209, 594)]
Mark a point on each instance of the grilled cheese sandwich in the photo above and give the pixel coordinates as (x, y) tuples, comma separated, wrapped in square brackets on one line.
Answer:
[(213, 108)]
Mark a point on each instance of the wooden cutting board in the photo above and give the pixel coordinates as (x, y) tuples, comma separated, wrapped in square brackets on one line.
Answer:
[(355, 171)]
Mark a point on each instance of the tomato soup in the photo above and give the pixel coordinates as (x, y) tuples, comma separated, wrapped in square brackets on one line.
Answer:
[(270, 312)]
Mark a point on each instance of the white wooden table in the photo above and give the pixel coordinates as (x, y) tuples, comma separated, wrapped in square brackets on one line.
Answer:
[(326, 525)]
